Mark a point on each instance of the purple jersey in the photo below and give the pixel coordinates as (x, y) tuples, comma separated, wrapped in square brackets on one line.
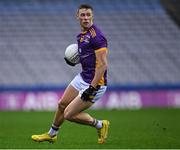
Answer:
[(89, 43)]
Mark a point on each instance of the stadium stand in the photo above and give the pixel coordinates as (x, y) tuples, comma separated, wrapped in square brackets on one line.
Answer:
[(144, 42)]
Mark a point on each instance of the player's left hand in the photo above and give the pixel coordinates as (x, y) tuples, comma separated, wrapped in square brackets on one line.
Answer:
[(89, 93)]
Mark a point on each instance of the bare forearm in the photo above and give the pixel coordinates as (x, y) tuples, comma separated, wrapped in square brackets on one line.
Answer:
[(98, 74), (101, 67)]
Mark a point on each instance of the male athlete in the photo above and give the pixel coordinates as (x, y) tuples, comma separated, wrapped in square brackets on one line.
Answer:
[(88, 86)]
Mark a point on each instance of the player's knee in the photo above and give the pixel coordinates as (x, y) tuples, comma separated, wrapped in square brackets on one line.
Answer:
[(61, 106), (68, 115)]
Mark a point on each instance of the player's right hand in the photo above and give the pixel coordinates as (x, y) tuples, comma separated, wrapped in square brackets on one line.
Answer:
[(68, 62), (89, 93)]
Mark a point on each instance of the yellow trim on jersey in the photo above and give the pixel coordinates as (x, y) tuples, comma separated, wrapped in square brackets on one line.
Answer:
[(101, 81), (81, 39), (83, 32), (101, 49), (93, 32)]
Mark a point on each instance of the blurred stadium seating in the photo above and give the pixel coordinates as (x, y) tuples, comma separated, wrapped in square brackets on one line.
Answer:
[(144, 42)]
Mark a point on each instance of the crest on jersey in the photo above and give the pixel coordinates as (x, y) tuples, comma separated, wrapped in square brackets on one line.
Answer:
[(87, 39)]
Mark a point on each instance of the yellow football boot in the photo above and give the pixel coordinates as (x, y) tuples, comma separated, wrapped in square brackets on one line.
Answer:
[(103, 132), (44, 137)]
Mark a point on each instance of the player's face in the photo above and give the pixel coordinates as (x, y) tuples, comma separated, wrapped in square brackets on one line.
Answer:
[(85, 16)]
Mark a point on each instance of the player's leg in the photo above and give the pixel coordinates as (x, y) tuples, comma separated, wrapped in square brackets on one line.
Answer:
[(69, 94), (102, 126), (74, 109), (76, 114), (73, 112)]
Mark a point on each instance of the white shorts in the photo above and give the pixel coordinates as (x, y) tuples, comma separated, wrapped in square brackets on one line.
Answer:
[(79, 84)]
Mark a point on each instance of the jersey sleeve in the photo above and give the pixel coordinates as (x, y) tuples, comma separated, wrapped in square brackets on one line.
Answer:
[(99, 42)]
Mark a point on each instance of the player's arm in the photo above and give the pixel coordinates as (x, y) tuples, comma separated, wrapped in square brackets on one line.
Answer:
[(101, 66)]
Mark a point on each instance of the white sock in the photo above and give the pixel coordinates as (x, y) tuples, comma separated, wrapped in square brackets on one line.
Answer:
[(97, 124), (53, 130)]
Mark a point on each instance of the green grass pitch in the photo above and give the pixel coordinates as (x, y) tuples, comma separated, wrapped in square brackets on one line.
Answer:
[(142, 129)]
